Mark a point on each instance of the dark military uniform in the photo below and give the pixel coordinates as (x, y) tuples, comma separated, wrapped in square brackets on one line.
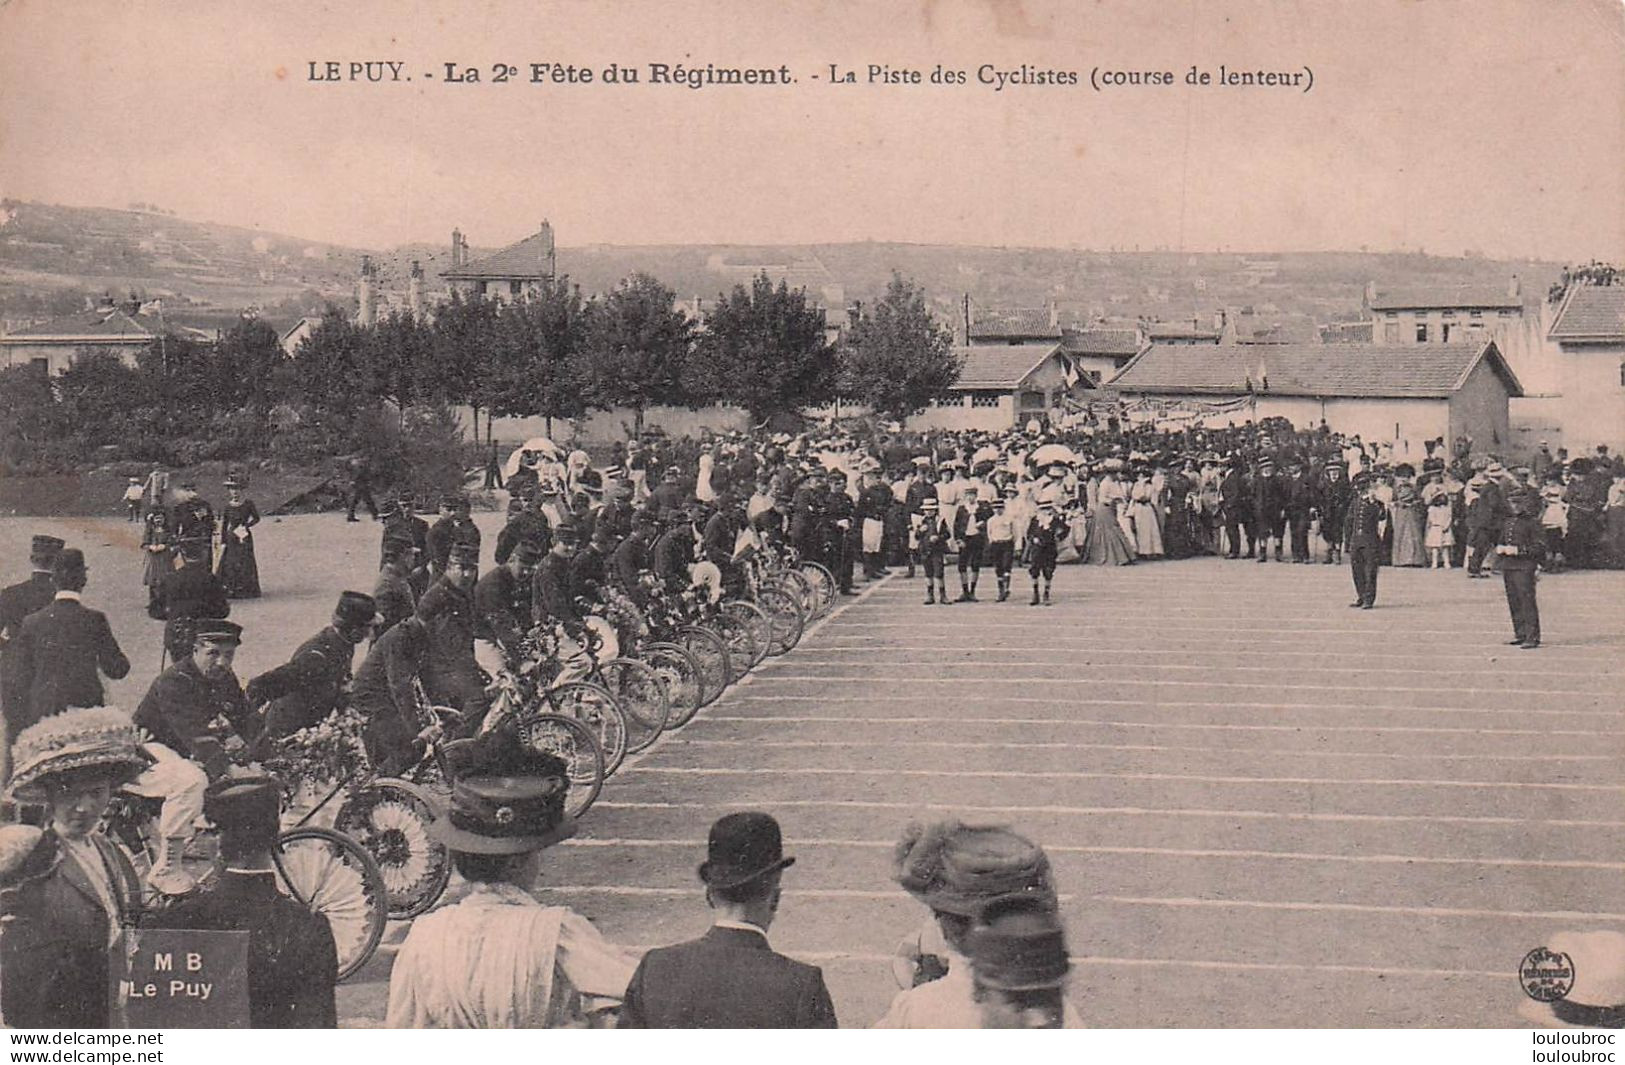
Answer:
[(838, 554), (385, 695), (626, 565), (588, 572), (307, 688), (501, 608), (396, 601), (451, 675), (1364, 542), (181, 703), (673, 554), (1334, 507), (1269, 511), (524, 526), (551, 597), (452, 529), (1521, 547), (1236, 510)]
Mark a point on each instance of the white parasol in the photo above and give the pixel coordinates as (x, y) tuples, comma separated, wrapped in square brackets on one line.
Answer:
[(1050, 454), (539, 444)]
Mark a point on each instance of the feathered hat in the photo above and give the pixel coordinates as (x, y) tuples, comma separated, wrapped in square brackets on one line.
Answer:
[(959, 868), (98, 737)]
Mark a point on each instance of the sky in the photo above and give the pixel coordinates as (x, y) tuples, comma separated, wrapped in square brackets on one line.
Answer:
[(1437, 125)]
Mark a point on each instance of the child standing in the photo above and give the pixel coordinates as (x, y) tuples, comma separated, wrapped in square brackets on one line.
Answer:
[(134, 492), (1554, 525), (1439, 538), (1043, 547), (970, 531), (1001, 543), (933, 534)]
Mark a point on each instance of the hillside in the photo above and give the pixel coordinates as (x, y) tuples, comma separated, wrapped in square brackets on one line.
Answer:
[(52, 256)]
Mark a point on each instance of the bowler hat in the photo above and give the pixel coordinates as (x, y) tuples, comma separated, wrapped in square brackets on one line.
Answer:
[(246, 810), (743, 847), (1018, 944), (356, 608)]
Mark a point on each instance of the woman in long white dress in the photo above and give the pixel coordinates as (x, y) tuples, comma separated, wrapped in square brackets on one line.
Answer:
[(1147, 521)]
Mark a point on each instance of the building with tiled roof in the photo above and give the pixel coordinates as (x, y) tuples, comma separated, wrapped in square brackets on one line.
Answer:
[(1002, 385), (1099, 352), (1589, 330), (1025, 325), (1191, 332), (1440, 314), (1246, 326), (124, 329), (1403, 393), (507, 274)]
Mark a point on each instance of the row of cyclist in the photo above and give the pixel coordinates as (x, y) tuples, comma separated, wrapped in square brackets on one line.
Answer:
[(591, 686)]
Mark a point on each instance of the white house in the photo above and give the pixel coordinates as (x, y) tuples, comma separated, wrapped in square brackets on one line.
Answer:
[(1405, 394), (1004, 385), (1589, 328)]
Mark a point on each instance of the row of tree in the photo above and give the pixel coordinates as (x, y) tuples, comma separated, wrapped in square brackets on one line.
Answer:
[(555, 354)]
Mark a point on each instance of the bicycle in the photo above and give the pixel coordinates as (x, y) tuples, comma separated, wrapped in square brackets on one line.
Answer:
[(390, 817), (530, 688), (637, 688), (677, 617), (322, 869)]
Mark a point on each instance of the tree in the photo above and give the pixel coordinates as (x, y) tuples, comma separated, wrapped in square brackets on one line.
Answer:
[(246, 361), (335, 371), (539, 366), (639, 346), (898, 357), (402, 354), (764, 350), (464, 335)]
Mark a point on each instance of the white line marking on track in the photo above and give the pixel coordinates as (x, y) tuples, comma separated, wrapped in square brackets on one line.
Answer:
[(893, 678), (764, 719), (1097, 811), (1069, 774), (1067, 700), (1357, 907), (1248, 751), (939, 661), (1158, 852)]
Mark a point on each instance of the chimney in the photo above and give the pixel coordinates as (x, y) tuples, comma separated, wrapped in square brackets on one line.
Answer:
[(1054, 314), (456, 248), (1370, 293), (414, 290), (366, 297), (1514, 289), (549, 258)]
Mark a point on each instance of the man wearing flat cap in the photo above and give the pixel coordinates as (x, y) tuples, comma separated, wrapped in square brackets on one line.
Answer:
[(178, 712), (292, 960), (310, 686), (454, 527), (730, 977)]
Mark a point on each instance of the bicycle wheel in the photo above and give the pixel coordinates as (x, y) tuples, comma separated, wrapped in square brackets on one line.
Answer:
[(823, 582), (391, 819), (597, 709), (783, 608), (334, 876), (710, 653), (736, 632), (760, 626), (640, 692), (570, 740), (681, 677), (798, 585)]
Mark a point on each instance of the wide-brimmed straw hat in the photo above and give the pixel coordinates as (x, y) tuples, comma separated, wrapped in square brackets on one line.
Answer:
[(90, 740)]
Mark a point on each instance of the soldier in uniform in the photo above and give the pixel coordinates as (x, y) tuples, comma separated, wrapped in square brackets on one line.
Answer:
[(673, 552), (630, 559), (393, 594), (718, 538), (875, 503), (807, 507), (1519, 550), (292, 960), (179, 711), (1363, 538), (452, 675), (589, 567), (313, 683), (385, 693), (837, 528), (502, 607), (1269, 509), (1334, 505), (551, 597), (1236, 508), (189, 593), (454, 527), (1302, 503)]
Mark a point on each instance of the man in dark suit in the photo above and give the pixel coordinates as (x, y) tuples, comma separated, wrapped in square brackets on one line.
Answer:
[(1364, 541), (309, 686), (1269, 508), (53, 662), (730, 977), (16, 603), (292, 960)]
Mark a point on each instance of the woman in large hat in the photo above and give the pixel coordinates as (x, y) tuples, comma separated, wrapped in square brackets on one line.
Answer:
[(65, 890), (957, 870), (499, 958)]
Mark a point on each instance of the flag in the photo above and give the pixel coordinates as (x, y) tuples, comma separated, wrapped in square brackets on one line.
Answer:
[(1069, 373)]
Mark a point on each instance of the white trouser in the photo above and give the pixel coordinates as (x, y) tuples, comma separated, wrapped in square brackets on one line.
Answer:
[(177, 781), (489, 657), (576, 663)]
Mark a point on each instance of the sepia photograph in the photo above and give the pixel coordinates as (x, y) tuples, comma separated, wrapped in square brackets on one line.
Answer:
[(480, 483)]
